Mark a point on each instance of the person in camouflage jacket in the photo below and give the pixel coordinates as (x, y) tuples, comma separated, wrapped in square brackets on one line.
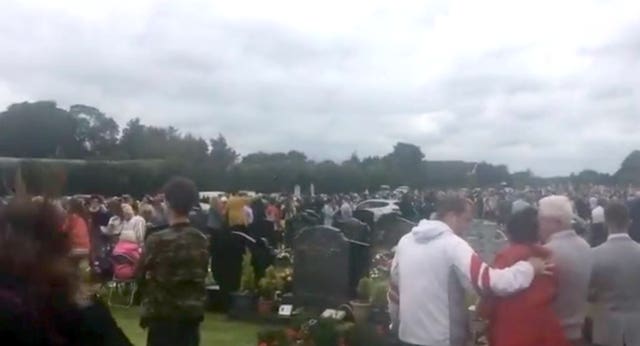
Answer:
[(172, 273)]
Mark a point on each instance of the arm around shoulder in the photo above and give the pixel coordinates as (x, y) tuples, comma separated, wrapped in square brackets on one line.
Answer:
[(485, 279)]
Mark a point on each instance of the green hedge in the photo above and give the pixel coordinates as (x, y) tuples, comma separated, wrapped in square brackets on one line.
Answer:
[(107, 178)]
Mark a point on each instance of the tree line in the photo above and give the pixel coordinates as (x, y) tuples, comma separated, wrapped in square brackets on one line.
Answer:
[(138, 158)]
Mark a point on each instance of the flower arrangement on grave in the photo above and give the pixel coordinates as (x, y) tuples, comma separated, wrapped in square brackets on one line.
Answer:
[(310, 332), (284, 257), (267, 288), (286, 277), (361, 307), (381, 265)]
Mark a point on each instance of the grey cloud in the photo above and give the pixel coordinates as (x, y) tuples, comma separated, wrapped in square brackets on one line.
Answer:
[(269, 87)]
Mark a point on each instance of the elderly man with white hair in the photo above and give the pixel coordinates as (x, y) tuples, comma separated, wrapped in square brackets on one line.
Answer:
[(572, 258)]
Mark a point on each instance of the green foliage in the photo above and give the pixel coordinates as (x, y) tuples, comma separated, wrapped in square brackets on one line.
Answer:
[(270, 284), (364, 289), (39, 129), (629, 172), (97, 132), (326, 332), (248, 279), (43, 130), (588, 176), (379, 293)]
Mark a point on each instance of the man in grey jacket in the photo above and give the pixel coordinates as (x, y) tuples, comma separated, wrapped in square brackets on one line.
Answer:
[(615, 283), (572, 258)]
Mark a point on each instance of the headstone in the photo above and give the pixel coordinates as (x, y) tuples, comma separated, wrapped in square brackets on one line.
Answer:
[(312, 190), (354, 229), (389, 229), (358, 234), (321, 267), (486, 239), (296, 191), (297, 223), (365, 216)]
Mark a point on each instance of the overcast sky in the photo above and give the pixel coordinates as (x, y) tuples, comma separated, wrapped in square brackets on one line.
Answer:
[(551, 85)]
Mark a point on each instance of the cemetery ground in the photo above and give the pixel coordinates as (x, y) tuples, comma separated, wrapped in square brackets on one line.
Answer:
[(216, 329), (344, 269)]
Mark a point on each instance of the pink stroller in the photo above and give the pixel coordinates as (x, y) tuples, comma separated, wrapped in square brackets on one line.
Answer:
[(124, 258)]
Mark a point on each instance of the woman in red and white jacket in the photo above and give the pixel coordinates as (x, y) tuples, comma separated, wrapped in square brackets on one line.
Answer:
[(432, 270)]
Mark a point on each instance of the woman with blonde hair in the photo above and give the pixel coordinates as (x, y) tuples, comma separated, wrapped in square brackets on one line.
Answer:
[(133, 226), (215, 220)]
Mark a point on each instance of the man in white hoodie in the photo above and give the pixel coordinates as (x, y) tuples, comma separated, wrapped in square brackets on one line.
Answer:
[(431, 269)]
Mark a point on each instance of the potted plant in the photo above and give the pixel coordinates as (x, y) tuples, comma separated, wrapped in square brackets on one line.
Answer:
[(286, 277), (242, 300), (267, 288), (379, 316), (362, 305)]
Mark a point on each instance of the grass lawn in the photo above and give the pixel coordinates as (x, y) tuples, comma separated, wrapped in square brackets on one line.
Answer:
[(215, 330)]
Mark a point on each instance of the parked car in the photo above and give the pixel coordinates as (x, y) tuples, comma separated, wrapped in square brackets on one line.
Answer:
[(379, 207), (401, 190)]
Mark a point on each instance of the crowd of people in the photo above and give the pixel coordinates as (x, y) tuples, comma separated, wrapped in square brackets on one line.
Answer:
[(56, 253), (566, 248), (539, 288)]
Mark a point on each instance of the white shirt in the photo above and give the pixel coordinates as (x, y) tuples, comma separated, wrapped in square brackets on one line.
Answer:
[(618, 235), (597, 215), (593, 202), (328, 214), (248, 214), (345, 210), (114, 227), (429, 265), (133, 230)]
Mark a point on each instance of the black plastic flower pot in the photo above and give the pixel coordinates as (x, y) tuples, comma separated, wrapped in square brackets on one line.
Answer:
[(242, 305)]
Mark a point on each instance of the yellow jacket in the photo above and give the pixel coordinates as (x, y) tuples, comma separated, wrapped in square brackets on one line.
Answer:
[(235, 211)]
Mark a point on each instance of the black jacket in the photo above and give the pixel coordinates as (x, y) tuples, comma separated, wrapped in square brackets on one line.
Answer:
[(24, 322)]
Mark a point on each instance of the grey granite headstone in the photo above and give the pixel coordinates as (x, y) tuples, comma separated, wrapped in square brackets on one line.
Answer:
[(486, 239), (389, 229), (365, 216), (321, 267), (297, 223), (358, 235)]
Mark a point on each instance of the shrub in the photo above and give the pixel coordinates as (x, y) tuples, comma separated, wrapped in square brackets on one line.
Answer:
[(248, 279), (364, 289), (270, 284), (379, 294)]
